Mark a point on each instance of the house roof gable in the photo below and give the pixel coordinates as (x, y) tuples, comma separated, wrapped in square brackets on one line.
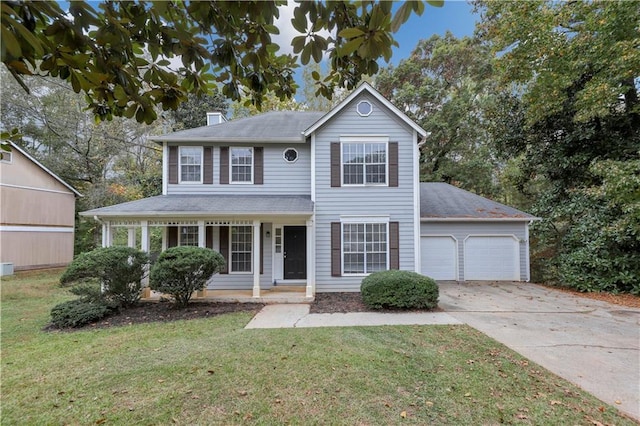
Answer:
[(364, 87), (43, 168)]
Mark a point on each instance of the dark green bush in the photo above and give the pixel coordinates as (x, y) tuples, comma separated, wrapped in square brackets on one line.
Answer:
[(78, 312), (399, 290), (179, 271), (119, 270)]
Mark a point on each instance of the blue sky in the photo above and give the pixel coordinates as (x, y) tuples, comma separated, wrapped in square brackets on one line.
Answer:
[(455, 16)]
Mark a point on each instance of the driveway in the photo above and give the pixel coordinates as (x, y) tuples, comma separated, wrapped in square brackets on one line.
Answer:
[(594, 344)]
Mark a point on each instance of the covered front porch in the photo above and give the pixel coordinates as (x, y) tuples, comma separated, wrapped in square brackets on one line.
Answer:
[(269, 256)]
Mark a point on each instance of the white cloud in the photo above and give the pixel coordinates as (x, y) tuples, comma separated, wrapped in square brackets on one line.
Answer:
[(287, 32)]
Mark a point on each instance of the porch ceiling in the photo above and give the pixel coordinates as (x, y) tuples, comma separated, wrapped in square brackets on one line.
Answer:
[(209, 205)]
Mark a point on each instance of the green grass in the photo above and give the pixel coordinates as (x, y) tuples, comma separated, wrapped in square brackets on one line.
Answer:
[(213, 371)]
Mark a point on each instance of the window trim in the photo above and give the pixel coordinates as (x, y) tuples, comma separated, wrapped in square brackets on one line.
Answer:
[(361, 220), (285, 158), (364, 140), (7, 157), (230, 261), (190, 182), (180, 235), (364, 102), (231, 165)]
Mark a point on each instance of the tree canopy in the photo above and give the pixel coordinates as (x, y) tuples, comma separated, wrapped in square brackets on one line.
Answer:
[(119, 54), (556, 49)]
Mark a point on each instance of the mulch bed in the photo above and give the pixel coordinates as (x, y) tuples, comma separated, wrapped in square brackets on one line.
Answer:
[(324, 303)]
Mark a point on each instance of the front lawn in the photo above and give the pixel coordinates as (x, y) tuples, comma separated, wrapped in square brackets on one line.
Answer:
[(213, 371)]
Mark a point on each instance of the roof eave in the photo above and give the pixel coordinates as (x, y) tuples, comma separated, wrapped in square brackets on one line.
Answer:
[(143, 214), (159, 140), (479, 219)]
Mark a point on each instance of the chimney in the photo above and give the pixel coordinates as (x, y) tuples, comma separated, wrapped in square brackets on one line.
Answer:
[(215, 117)]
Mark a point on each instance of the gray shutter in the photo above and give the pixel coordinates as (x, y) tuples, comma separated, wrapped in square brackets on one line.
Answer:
[(224, 165), (335, 164), (393, 164), (207, 164), (224, 248), (336, 249), (173, 164), (258, 165), (394, 245), (172, 236)]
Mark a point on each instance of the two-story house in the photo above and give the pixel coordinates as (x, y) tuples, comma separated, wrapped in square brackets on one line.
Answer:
[(321, 200)]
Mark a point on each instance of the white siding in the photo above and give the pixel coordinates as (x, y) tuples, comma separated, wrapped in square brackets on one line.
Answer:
[(280, 177), (395, 202), (461, 230)]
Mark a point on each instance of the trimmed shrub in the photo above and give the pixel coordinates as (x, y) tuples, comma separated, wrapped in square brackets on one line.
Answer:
[(399, 290), (179, 271), (119, 270), (78, 312)]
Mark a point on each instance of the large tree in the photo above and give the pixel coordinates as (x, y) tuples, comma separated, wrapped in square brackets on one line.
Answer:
[(445, 85), (118, 54), (572, 69)]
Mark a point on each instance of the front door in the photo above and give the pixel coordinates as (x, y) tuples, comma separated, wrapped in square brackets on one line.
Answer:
[(295, 252)]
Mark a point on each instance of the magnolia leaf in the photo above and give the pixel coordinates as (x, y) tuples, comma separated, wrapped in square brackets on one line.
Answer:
[(351, 33)]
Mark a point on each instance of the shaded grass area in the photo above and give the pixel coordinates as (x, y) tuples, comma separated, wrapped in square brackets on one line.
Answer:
[(213, 371)]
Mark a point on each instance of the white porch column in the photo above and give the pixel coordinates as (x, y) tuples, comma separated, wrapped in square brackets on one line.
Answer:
[(202, 242), (311, 259), (131, 237), (105, 230), (165, 238), (256, 258), (107, 234), (144, 246), (144, 243)]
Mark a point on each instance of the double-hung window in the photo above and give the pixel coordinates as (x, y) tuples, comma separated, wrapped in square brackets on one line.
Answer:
[(241, 248), (191, 164), (365, 247), (364, 163), (241, 165)]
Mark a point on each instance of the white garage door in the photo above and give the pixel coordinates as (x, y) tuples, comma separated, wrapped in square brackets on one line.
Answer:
[(438, 257), (491, 258)]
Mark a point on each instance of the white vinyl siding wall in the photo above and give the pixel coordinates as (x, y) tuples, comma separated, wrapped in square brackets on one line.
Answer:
[(280, 177), (394, 203), (462, 230)]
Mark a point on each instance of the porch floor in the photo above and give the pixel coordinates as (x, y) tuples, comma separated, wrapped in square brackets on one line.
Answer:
[(281, 294)]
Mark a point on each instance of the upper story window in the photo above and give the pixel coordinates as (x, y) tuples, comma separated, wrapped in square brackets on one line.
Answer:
[(241, 165), (290, 155), (364, 108), (5, 156), (364, 163), (190, 164)]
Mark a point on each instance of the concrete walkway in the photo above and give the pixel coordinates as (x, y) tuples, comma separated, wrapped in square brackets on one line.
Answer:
[(297, 315), (593, 344)]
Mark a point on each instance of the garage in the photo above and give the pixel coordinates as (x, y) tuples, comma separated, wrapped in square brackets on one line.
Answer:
[(466, 237), (494, 258), (439, 257)]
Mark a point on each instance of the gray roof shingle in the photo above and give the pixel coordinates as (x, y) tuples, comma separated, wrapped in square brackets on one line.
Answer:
[(198, 205), (441, 200), (275, 126)]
